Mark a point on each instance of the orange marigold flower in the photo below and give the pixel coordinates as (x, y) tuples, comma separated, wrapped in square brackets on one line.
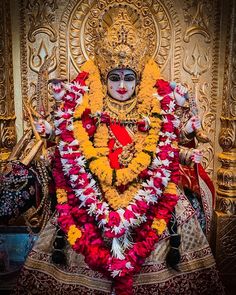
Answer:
[(159, 225), (73, 234)]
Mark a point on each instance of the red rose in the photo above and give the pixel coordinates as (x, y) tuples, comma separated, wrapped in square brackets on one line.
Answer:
[(111, 234), (62, 125), (175, 166), (132, 257), (65, 222), (175, 177), (157, 182), (114, 219), (72, 201), (144, 174), (91, 232), (166, 100), (142, 206), (105, 118), (168, 127), (118, 264), (80, 215), (163, 155), (74, 170), (142, 126), (128, 214), (88, 122), (135, 208), (163, 87), (89, 201), (67, 136), (141, 249)]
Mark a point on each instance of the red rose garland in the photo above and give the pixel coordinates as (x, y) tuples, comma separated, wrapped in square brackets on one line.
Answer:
[(78, 212)]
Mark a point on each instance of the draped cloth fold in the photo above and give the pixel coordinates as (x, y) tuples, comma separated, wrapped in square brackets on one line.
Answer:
[(197, 271)]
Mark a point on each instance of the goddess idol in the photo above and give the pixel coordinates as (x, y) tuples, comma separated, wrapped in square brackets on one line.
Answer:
[(130, 218)]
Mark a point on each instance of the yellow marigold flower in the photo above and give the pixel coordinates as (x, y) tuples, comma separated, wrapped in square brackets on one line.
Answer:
[(73, 234), (159, 225), (94, 81), (80, 108), (61, 196), (171, 188)]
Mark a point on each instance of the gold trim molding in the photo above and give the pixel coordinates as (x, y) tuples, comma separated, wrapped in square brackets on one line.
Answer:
[(80, 24), (7, 112), (226, 175)]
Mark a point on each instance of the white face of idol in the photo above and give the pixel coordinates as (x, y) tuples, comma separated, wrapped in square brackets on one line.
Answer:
[(121, 84)]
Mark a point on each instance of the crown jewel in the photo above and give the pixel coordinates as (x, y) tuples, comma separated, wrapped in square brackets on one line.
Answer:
[(122, 43)]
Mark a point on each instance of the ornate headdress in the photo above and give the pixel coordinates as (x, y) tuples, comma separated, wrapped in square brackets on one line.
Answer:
[(122, 42)]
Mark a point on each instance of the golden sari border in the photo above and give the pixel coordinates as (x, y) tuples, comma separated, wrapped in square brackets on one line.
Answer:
[(68, 277), (166, 274)]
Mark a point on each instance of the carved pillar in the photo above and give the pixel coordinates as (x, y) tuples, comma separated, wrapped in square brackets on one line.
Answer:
[(7, 112), (226, 175)]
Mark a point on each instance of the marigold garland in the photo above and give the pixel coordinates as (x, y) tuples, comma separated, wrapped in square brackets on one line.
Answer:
[(101, 136), (140, 161), (146, 101), (96, 93), (119, 200), (85, 214)]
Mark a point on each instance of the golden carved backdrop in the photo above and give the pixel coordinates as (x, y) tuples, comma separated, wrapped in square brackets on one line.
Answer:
[(193, 41)]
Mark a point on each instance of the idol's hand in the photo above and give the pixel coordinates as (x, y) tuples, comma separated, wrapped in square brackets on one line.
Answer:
[(180, 94), (176, 122), (58, 89), (193, 124), (196, 156), (43, 128)]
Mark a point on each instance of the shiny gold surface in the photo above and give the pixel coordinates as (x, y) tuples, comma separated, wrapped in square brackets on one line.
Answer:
[(7, 113), (122, 41), (225, 215)]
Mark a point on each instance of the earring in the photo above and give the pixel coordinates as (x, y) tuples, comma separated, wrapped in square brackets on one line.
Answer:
[(136, 89)]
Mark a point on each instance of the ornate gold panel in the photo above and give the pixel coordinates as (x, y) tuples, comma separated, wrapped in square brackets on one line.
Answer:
[(184, 42), (226, 175), (7, 112), (81, 27)]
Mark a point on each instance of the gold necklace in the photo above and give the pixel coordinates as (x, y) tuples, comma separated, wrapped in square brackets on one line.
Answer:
[(121, 109)]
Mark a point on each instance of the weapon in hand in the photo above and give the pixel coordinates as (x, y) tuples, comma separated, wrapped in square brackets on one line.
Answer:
[(36, 134), (200, 133)]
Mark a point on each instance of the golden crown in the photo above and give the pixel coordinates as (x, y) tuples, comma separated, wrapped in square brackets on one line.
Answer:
[(122, 43)]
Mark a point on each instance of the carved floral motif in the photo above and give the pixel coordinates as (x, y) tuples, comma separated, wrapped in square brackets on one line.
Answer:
[(81, 26), (37, 59), (7, 113), (196, 63), (41, 19), (226, 175), (197, 20)]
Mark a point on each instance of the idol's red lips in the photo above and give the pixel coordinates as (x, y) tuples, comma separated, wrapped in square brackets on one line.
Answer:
[(122, 91)]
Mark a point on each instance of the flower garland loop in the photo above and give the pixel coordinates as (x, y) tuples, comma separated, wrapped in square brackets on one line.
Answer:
[(84, 212)]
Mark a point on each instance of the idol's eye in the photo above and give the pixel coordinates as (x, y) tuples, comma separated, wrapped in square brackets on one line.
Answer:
[(129, 77), (114, 77)]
